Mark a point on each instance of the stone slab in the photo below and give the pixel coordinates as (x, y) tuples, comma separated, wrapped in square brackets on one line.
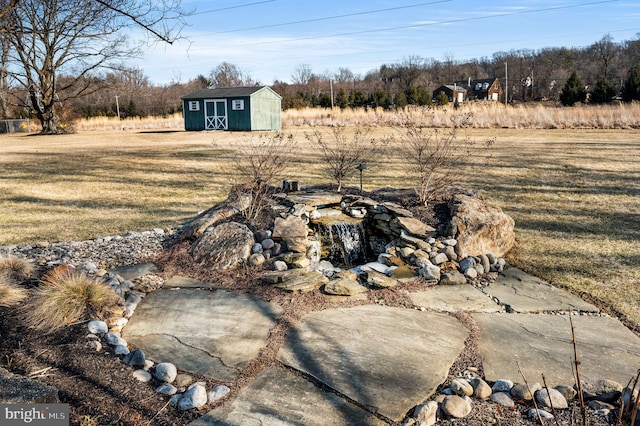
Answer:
[(314, 199), (178, 281), (523, 293), (280, 397), (456, 298), (543, 344), (213, 333), (388, 359), (132, 272)]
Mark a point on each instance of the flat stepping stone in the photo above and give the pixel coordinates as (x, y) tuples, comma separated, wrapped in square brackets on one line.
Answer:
[(132, 272), (543, 344), (389, 359), (447, 298), (179, 281), (213, 333), (279, 397), (523, 293)]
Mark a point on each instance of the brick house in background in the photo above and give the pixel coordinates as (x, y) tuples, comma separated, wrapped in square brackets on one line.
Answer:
[(454, 92), (484, 89)]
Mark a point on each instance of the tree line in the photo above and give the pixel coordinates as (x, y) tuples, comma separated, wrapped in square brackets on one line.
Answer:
[(63, 60)]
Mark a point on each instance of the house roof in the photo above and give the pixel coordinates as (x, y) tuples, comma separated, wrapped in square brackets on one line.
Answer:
[(457, 88), (227, 92), (470, 85)]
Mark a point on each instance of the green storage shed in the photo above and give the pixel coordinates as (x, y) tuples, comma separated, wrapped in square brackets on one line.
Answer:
[(233, 108)]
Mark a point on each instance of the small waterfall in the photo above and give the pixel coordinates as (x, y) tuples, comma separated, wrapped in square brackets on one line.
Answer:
[(344, 241)]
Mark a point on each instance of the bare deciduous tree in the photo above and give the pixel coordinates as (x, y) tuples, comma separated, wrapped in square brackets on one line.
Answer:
[(342, 153), (229, 75), (434, 157), (78, 38)]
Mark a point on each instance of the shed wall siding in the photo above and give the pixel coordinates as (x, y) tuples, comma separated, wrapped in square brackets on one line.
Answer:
[(266, 111), (193, 120), (240, 119)]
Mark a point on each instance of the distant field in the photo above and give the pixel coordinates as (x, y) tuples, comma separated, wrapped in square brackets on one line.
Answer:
[(575, 194)]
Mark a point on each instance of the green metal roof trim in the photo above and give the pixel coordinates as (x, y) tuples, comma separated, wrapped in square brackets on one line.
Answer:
[(227, 92)]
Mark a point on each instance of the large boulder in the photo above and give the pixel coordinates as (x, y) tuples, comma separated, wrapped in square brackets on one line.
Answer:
[(293, 231), (479, 227), (223, 247), (234, 204)]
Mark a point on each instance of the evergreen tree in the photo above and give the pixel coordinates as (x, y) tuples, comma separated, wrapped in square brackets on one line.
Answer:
[(573, 91), (400, 100), (631, 90), (413, 95), (424, 97), (603, 92), (342, 100), (442, 99)]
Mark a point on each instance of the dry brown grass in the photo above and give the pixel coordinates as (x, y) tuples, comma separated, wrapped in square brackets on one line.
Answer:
[(574, 193), (10, 292), (17, 268), (485, 115), (67, 296)]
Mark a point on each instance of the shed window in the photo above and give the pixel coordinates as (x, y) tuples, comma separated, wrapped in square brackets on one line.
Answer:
[(194, 106), (237, 104)]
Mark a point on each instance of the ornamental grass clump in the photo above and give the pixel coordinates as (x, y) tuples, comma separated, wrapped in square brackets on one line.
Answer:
[(17, 268), (67, 296), (10, 292)]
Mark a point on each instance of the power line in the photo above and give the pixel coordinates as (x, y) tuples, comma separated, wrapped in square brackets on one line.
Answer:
[(452, 21), (233, 7), (327, 18)]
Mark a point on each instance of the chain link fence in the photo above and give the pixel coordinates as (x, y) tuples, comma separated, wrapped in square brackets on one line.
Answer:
[(15, 126)]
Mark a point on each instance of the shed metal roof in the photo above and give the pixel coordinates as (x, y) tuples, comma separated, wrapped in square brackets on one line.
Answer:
[(226, 92)]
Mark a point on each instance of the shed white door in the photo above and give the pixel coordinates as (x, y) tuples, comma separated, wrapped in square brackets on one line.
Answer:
[(215, 114)]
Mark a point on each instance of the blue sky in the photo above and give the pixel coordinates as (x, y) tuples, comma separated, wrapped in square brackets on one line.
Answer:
[(270, 39)]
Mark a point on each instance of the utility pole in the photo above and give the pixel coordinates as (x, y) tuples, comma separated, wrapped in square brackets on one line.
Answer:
[(117, 107), (331, 86), (506, 84)]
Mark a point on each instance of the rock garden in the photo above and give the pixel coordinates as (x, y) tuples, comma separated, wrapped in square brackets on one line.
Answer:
[(332, 308)]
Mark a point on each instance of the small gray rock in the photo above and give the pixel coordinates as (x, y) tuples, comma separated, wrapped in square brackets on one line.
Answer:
[(440, 258), (257, 248), (425, 414), (121, 350), (456, 406), (256, 259), (94, 345), (183, 380), (502, 385), (461, 387), (471, 273), (452, 278), (602, 390), (267, 244), (466, 263), (492, 258), (533, 414), (548, 398), (166, 372), (279, 265), (114, 340), (481, 389), (262, 235), (567, 391), (135, 358), (194, 397), (430, 272), (167, 389), (98, 327), (218, 393), (484, 261), (520, 391), (142, 376), (503, 398)]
